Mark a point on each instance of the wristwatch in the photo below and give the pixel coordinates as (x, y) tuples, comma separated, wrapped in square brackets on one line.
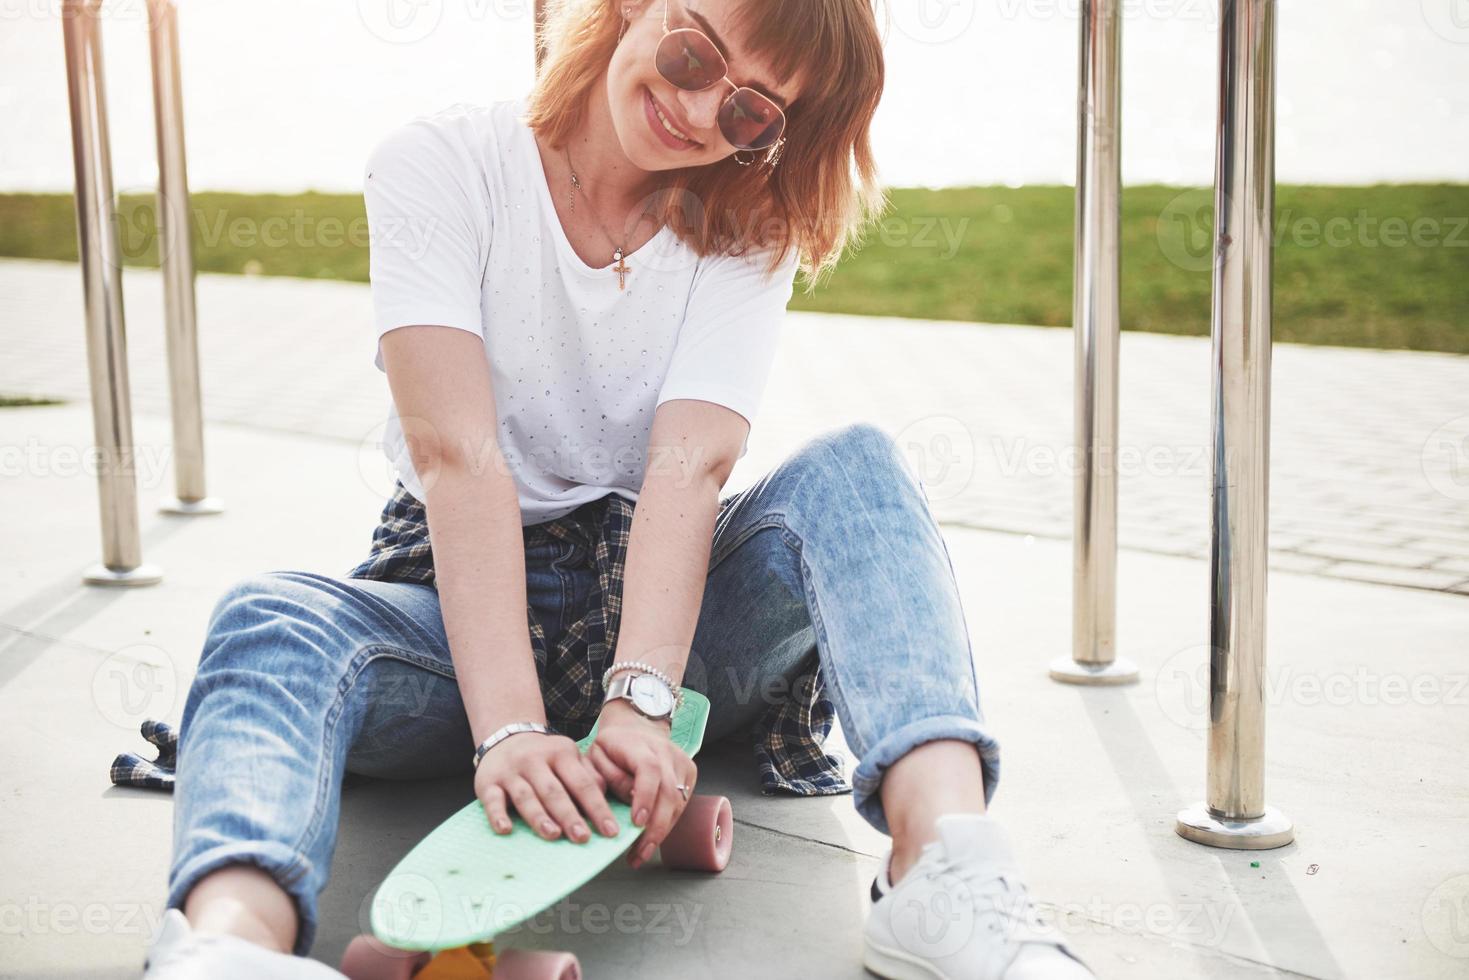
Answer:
[(648, 695)]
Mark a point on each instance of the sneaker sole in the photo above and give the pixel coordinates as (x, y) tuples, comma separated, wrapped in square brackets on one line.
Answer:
[(891, 964)]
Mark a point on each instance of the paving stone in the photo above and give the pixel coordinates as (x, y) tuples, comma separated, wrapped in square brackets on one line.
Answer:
[(1350, 428)]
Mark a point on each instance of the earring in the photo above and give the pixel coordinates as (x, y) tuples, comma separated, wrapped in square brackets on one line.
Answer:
[(772, 155)]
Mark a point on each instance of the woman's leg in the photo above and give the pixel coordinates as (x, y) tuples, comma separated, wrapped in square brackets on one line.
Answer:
[(302, 677), (834, 557)]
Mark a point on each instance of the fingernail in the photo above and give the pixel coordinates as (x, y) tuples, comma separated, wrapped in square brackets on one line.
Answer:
[(647, 854), (579, 831), (549, 827), (503, 826), (609, 827), (641, 817)]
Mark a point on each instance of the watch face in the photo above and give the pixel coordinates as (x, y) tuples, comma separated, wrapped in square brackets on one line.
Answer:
[(651, 698)]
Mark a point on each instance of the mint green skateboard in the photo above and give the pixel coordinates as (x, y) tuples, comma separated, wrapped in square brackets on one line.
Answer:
[(463, 884)]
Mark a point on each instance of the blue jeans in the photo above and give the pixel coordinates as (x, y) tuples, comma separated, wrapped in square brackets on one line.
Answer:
[(304, 677)]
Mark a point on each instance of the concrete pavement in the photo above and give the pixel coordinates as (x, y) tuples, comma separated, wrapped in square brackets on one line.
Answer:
[(1370, 449), (1368, 684)]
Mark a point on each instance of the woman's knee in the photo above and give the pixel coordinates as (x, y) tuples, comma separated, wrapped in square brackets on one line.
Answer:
[(280, 622), (854, 460), (864, 444)]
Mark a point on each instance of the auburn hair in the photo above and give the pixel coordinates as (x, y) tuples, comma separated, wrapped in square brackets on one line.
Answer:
[(822, 193)]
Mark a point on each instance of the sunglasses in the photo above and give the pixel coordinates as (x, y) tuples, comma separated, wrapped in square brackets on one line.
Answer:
[(688, 60)]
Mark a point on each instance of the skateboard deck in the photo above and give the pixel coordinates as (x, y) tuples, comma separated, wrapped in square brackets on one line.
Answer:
[(466, 884)]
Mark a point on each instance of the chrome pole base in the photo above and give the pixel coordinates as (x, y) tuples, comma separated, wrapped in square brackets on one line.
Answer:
[(191, 508), (1273, 829), (144, 574), (1069, 671)]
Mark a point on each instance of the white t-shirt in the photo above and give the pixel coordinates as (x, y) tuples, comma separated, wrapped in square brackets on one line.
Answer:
[(464, 234)]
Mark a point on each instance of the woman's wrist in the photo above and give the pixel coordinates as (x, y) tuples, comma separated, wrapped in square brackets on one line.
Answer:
[(506, 731), (620, 712)]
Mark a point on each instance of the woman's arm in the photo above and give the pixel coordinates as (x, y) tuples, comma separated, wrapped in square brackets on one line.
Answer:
[(691, 450), (440, 380)]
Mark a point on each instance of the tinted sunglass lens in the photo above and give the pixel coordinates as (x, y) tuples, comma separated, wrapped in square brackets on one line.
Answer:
[(750, 121), (688, 60)]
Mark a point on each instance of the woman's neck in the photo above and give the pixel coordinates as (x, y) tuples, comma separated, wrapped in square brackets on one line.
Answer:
[(608, 178)]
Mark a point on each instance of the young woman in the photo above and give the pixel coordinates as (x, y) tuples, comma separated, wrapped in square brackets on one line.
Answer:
[(577, 300)]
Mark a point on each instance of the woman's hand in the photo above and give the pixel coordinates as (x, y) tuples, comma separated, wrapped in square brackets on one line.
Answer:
[(541, 775), (644, 768)]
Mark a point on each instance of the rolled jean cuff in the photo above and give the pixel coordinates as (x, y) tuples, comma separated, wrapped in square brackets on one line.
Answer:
[(290, 870), (868, 776)]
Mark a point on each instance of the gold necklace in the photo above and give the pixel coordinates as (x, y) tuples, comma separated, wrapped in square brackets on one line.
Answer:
[(620, 265)]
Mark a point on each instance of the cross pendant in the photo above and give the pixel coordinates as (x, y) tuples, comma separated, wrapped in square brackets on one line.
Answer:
[(621, 268)]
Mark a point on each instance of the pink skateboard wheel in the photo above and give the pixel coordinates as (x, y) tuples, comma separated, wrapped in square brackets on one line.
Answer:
[(702, 838), (534, 964), (367, 958)]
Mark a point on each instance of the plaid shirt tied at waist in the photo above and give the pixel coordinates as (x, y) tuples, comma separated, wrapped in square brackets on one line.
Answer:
[(787, 737)]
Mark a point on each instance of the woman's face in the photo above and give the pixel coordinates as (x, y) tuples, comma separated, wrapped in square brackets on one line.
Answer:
[(660, 126)]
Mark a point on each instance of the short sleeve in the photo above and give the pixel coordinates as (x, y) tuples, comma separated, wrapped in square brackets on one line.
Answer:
[(428, 228), (727, 344)]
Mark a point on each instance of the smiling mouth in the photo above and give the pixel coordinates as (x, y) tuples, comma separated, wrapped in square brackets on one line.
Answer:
[(667, 123)]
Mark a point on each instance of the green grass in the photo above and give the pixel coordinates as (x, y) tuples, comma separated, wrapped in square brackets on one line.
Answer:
[(1380, 266), (26, 401)]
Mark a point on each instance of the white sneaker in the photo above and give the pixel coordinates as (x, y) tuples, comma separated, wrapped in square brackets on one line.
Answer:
[(180, 953), (962, 912)]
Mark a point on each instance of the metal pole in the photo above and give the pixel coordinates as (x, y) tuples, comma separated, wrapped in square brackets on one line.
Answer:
[(1234, 814), (176, 256), (101, 265), (1096, 322)]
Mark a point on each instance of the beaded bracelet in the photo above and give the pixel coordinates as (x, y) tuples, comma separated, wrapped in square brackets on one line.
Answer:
[(652, 672)]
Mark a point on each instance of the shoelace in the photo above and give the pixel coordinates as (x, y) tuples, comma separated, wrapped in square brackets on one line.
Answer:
[(1003, 902)]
